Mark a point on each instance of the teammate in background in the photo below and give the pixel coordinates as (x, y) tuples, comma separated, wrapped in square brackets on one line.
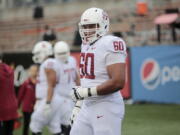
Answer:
[(102, 71), (49, 34), (46, 110), (26, 97), (8, 101), (69, 77)]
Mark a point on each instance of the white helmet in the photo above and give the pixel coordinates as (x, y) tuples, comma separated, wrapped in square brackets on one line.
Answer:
[(93, 25), (41, 51), (61, 51)]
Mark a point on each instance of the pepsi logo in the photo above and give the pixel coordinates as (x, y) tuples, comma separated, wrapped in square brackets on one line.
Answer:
[(150, 74)]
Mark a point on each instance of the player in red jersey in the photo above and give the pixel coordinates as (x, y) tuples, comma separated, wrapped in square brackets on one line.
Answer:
[(26, 97), (8, 101)]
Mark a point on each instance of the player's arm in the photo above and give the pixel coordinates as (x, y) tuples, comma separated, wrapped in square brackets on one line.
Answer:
[(116, 82), (21, 94), (115, 65), (51, 79), (77, 80)]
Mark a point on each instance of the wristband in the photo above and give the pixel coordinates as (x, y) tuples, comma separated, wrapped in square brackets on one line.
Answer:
[(92, 91)]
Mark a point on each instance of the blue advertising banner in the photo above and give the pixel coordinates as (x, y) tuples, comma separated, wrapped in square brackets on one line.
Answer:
[(155, 74)]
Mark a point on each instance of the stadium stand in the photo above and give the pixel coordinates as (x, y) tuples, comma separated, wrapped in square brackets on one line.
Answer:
[(20, 31)]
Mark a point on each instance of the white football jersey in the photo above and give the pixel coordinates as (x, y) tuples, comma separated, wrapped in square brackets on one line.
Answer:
[(42, 85), (95, 58), (67, 76)]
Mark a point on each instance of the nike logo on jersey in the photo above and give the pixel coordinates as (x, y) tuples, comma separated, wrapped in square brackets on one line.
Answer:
[(100, 116)]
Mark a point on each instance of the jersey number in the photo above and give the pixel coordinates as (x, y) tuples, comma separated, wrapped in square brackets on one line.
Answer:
[(87, 65), (118, 46)]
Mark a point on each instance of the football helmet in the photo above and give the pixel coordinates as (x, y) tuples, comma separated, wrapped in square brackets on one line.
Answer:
[(41, 51), (61, 51), (94, 24)]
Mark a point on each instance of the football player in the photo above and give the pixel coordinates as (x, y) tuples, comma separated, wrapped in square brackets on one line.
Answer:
[(69, 77), (47, 102), (102, 72)]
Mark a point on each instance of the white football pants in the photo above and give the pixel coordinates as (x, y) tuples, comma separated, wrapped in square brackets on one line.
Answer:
[(38, 120), (99, 118), (66, 110)]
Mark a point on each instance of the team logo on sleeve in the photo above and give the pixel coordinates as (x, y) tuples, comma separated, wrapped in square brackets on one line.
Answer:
[(150, 74)]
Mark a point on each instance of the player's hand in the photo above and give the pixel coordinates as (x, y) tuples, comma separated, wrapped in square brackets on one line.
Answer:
[(79, 93), (75, 111), (46, 110)]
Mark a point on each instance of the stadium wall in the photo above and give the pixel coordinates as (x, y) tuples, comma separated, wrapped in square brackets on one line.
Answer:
[(155, 74)]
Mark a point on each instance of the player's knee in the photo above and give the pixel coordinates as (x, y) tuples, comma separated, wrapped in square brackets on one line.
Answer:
[(35, 128)]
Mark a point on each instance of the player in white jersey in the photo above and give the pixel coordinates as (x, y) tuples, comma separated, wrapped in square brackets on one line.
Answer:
[(47, 102), (102, 71), (69, 77)]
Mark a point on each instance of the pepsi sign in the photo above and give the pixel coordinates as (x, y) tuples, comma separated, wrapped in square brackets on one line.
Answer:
[(155, 74), (150, 74)]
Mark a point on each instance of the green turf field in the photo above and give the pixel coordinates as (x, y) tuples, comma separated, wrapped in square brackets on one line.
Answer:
[(148, 119), (152, 120)]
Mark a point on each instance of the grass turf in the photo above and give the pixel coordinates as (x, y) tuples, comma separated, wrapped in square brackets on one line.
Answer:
[(147, 119)]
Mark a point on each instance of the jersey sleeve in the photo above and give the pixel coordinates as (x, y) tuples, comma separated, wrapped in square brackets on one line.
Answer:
[(115, 51), (50, 64)]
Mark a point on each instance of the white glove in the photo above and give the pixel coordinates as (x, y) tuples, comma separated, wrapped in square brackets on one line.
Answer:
[(79, 93), (46, 109), (75, 111)]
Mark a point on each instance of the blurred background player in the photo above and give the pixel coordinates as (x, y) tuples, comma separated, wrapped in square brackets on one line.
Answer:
[(26, 97), (69, 77), (49, 34), (47, 102), (102, 71), (8, 101)]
